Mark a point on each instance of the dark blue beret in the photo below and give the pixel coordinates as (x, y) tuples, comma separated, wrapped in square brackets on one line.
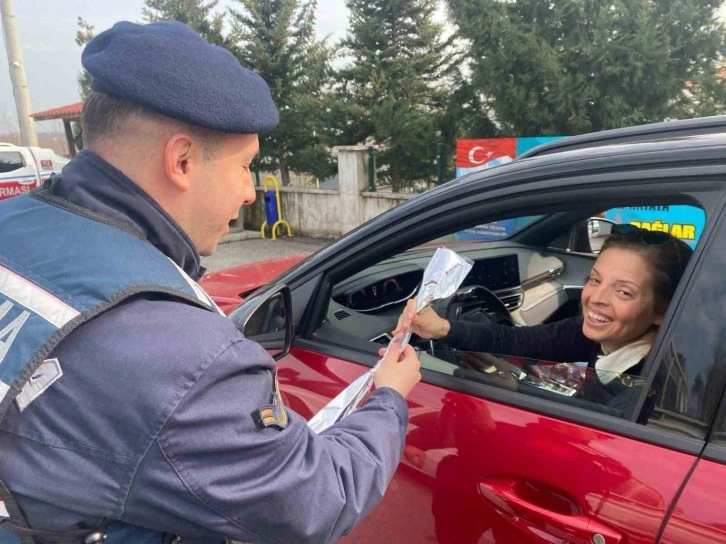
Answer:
[(169, 68)]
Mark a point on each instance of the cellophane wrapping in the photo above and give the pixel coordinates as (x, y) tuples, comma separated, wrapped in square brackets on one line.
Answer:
[(442, 278)]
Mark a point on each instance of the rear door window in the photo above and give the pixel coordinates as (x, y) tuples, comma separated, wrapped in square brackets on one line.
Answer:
[(10, 161), (682, 221)]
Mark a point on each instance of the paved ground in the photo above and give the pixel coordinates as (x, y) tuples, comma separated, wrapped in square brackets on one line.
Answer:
[(247, 247)]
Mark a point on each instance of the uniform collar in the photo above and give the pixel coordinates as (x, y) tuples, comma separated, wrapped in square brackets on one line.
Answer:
[(93, 183)]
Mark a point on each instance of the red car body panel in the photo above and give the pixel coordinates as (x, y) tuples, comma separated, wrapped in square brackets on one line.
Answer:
[(475, 470), (699, 516), (228, 287)]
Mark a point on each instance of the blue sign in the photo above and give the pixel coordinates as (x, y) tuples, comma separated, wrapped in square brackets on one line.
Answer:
[(525, 144), (682, 221), (489, 231)]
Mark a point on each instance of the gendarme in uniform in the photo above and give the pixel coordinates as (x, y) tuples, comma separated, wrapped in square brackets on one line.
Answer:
[(126, 397)]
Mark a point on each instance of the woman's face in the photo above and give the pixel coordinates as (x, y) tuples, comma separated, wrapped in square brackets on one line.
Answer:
[(618, 301)]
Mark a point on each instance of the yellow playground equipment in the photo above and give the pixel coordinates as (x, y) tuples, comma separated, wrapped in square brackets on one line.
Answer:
[(273, 212)]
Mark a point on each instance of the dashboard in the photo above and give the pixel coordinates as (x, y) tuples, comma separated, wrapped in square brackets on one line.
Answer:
[(382, 293), (379, 290), (495, 274), (531, 283)]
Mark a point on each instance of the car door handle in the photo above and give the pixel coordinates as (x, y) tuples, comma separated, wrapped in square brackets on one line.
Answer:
[(517, 501)]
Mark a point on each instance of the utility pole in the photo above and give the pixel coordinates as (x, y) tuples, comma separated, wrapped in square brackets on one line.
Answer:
[(17, 74)]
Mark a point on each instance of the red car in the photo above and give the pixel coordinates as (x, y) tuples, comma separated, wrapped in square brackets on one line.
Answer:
[(230, 286), (513, 461)]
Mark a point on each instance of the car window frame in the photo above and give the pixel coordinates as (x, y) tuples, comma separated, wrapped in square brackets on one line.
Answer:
[(702, 191), (714, 451), (702, 258)]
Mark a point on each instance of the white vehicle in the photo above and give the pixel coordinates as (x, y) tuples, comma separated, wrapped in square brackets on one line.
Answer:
[(22, 169)]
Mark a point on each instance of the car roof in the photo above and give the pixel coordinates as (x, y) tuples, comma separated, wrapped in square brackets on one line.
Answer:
[(686, 149), (641, 133), (614, 154)]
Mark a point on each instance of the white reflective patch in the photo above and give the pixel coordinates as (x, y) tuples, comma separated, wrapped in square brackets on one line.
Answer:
[(46, 374), (3, 511), (201, 294), (10, 331), (35, 299), (4, 388)]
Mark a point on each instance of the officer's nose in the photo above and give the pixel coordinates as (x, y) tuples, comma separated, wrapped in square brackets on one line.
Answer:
[(249, 194)]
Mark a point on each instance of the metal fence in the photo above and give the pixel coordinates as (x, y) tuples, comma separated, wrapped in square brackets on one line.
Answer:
[(432, 167)]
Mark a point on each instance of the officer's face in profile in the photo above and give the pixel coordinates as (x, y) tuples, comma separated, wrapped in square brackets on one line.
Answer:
[(223, 185)]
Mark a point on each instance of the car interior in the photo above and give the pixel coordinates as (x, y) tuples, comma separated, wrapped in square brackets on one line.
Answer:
[(527, 270)]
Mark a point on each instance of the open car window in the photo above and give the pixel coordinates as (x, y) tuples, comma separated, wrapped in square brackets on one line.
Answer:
[(533, 277)]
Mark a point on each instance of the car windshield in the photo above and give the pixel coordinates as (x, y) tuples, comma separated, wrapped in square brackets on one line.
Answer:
[(488, 232)]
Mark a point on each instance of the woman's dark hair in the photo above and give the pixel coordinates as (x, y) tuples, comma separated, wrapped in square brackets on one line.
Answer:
[(666, 255)]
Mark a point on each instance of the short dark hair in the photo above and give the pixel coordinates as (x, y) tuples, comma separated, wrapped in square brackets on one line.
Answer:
[(105, 115), (667, 260)]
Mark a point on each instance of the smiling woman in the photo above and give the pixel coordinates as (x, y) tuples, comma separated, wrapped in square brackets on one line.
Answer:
[(624, 300), (565, 286), (630, 286)]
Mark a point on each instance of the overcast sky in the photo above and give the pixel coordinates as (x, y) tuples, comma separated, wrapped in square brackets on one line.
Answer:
[(47, 31)]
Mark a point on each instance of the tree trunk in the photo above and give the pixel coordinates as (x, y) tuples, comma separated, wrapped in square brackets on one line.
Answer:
[(284, 173), (396, 178)]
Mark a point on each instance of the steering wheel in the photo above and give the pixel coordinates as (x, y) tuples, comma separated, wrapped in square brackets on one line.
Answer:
[(479, 304), (472, 303)]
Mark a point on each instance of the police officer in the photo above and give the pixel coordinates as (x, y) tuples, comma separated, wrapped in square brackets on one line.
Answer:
[(129, 406)]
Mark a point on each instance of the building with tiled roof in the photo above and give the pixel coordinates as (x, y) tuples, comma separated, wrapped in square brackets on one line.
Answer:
[(69, 113)]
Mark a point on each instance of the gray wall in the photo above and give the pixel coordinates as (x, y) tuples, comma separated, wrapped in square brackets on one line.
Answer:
[(327, 213)]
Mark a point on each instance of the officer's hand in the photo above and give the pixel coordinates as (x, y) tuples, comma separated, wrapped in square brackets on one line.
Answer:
[(427, 323), (399, 370)]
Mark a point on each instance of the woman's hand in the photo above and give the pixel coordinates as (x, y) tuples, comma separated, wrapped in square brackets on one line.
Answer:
[(427, 324)]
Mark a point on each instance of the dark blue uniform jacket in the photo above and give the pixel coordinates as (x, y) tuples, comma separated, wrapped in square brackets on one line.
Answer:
[(150, 422)]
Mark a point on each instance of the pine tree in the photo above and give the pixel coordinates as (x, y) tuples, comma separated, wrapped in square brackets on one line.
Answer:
[(396, 88), (276, 39), (575, 66), (84, 34), (199, 15)]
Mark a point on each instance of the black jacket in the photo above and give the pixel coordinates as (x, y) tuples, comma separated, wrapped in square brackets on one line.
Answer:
[(561, 341)]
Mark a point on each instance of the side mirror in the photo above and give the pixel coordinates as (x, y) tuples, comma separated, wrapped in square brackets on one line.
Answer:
[(267, 319), (588, 235), (597, 231)]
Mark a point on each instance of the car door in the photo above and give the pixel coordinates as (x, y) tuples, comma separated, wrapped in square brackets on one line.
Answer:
[(484, 463), (697, 517)]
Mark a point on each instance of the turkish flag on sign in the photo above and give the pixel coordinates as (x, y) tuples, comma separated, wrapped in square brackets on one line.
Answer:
[(473, 153)]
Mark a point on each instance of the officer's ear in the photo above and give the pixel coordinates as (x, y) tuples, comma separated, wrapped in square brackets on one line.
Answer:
[(182, 156)]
